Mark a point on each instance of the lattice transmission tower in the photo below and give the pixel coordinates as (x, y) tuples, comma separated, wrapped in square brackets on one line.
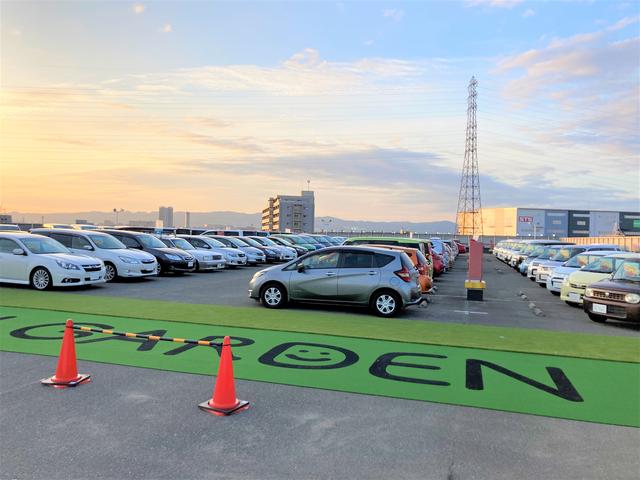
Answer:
[(469, 215)]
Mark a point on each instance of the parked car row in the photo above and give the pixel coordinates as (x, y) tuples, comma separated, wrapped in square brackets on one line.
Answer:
[(387, 274), (601, 278), (65, 256)]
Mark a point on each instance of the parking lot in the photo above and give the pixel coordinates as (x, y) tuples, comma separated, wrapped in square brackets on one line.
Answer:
[(503, 306), (291, 429)]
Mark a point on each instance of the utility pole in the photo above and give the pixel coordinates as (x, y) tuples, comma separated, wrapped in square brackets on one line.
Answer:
[(469, 214)]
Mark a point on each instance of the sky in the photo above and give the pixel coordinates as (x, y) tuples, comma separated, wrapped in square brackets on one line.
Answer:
[(219, 105)]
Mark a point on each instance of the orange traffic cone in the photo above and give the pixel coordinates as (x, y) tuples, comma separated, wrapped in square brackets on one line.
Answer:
[(67, 371), (224, 400)]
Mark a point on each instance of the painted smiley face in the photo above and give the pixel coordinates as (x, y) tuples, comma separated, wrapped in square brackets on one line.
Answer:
[(308, 356), (304, 356)]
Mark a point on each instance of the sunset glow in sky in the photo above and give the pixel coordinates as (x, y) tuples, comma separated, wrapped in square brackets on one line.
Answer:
[(217, 106)]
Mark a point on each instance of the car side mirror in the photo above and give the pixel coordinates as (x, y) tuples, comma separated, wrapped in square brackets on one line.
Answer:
[(301, 268), (87, 247), (18, 251)]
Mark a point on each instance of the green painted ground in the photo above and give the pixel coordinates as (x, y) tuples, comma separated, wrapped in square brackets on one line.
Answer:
[(579, 345), (557, 386)]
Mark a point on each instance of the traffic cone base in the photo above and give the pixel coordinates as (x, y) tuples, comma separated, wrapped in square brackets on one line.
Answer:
[(53, 382), (223, 412)]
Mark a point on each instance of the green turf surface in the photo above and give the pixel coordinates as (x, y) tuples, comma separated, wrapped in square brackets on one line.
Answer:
[(589, 390), (362, 326)]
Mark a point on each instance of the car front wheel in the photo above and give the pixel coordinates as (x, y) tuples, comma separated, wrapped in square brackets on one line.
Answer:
[(110, 272), (273, 296), (385, 304), (41, 279)]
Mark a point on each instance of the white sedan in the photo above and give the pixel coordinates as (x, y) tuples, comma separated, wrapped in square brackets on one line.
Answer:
[(43, 263)]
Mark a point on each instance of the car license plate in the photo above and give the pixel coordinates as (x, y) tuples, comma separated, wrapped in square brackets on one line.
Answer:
[(574, 297), (190, 264), (543, 277), (93, 279), (598, 308), (221, 265)]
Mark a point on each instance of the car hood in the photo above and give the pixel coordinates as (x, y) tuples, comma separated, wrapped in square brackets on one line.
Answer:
[(70, 257), (564, 270), (252, 250), (585, 278), (550, 263), (137, 254), (173, 251), (617, 285)]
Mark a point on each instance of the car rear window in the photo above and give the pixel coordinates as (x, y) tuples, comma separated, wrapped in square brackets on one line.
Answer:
[(382, 260)]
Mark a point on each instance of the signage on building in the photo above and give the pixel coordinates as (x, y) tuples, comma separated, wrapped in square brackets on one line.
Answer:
[(523, 219)]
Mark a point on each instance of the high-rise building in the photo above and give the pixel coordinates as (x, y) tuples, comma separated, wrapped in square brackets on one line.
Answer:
[(166, 215), (290, 213)]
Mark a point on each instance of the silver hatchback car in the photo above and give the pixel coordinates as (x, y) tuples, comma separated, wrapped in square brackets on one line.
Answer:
[(384, 280)]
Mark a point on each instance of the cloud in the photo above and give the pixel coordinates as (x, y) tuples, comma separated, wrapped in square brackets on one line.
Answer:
[(494, 3), (138, 8), (394, 14), (529, 12), (167, 28)]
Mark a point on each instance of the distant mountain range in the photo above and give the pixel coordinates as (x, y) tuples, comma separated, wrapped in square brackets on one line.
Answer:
[(225, 219)]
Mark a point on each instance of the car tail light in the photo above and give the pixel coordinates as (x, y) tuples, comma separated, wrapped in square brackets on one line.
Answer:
[(404, 274)]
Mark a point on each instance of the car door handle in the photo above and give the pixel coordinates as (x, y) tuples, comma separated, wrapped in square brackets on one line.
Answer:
[(373, 272), (330, 274)]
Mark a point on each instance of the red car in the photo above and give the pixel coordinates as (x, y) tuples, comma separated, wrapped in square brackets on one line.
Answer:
[(461, 247), (438, 264)]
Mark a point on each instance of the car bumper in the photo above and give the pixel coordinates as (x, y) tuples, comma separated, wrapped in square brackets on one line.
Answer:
[(211, 264), (236, 261), (76, 278), (554, 284), (617, 310), (541, 277), (572, 294), (256, 260), (179, 266), (134, 271)]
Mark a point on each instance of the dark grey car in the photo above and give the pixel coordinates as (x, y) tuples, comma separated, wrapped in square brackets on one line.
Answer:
[(384, 280)]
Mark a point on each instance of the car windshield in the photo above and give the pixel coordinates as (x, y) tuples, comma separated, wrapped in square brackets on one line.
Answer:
[(251, 242), (537, 252), (580, 261), (150, 241), (311, 240), (629, 270), (260, 240), (601, 265), (182, 244), (563, 255), (106, 242), (44, 245), (295, 240), (266, 241), (214, 242), (548, 253), (437, 246), (283, 241), (237, 242)]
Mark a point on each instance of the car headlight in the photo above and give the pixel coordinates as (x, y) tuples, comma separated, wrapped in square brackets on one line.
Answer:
[(632, 298), (67, 265), (171, 256), (129, 260), (588, 292)]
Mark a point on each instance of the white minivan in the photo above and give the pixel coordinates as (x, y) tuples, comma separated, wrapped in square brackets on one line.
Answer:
[(43, 263), (119, 261)]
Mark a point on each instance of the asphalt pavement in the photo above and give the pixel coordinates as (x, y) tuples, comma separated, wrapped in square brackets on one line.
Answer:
[(503, 306), (144, 424)]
